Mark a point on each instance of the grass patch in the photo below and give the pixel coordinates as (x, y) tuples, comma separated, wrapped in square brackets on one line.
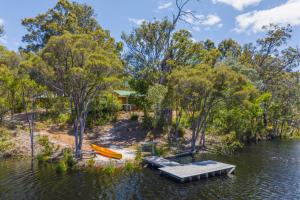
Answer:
[(6, 143)]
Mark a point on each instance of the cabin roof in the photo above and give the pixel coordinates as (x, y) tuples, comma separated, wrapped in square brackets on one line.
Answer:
[(124, 93)]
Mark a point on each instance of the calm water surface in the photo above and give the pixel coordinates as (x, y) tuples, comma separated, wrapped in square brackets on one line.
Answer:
[(269, 170)]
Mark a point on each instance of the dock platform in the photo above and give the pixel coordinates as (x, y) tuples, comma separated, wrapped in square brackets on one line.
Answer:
[(191, 171), (160, 162)]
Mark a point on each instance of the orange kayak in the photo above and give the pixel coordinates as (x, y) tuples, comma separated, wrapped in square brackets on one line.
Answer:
[(106, 152)]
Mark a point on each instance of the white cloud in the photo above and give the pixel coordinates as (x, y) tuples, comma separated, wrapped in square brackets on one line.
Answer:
[(238, 4), (211, 20), (137, 22), (164, 5), (287, 13), (198, 21)]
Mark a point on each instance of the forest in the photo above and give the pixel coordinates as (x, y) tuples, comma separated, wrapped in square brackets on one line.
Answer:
[(70, 65)]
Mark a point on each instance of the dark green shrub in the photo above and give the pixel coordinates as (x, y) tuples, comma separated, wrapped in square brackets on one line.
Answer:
[(68, 158), (103, 110), (61, 167)]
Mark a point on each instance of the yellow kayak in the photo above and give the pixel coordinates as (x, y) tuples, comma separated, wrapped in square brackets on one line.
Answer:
[(106, 152)]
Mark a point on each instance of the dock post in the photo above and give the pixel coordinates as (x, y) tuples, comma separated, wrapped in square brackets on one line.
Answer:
[(206, 175), (198, 177)]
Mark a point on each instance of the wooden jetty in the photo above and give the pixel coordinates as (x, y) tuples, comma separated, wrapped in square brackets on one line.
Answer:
[(160, 162), (191, 171)]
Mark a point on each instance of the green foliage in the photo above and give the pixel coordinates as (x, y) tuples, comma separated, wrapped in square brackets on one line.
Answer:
[(78, 67), (47, 146), (230, 144), (180, 129), (61, 167), (138, 156), (110, 168), (66, 162), (6, 142), (161, 150), (91, 162), (68, 158), (68, 16), (103, 109)]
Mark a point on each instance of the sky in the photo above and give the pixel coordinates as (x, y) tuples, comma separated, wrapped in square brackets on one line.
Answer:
[(216, 19)]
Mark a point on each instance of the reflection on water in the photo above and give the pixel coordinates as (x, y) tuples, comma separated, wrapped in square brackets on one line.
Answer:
[(269, 170)]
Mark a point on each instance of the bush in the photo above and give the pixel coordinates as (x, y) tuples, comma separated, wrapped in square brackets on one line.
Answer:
[(91, 162), (47, 147), (61, 167), (138, 156), (230, 144), (129, 166), (5, 141), (109, 169), (103, 110), (180, 129), (68, 158)]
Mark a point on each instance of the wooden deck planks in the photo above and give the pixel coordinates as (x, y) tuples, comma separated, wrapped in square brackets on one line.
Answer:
[(160, 162), (185, 172), (196, 169)]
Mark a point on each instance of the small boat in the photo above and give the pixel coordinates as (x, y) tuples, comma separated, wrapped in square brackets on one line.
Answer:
[(106, 152)]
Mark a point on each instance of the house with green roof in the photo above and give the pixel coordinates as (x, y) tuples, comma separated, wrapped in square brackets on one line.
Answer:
[(123, 96)]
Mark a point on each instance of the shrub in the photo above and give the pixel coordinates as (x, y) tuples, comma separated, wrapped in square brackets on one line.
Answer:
[(161, 150), (91, 162), (68, 158), (180, 130), (61, 167), (138, 156), (47, 147), (230, 144), (5, 141), (103, 110), (129, 166), (109, 168)]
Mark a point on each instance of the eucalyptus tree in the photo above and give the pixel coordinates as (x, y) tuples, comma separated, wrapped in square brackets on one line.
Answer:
[(229, 49), (149, 48), (273, 61), (68, 16), (9, 63), (30, 91), (79, 67), (201, 89), (10, 88)]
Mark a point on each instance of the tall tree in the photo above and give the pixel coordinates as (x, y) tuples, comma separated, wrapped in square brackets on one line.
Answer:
[(30, 92), (272, 61), (201, 89), (149, 49), (79, 67), (68, 16)]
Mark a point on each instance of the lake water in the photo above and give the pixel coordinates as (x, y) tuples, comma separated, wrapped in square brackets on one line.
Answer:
[(268, 170)]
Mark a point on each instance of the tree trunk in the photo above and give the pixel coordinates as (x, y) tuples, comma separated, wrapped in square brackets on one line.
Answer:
[(178, 118), (75, 126), (202, 140)]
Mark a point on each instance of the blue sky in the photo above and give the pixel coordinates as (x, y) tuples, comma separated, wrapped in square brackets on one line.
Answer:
[(217, 19)]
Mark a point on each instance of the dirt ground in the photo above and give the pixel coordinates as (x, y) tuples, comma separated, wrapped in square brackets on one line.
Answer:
[(122, 136)]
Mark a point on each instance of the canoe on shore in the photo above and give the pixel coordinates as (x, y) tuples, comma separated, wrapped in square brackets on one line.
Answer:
[(106, 152)]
